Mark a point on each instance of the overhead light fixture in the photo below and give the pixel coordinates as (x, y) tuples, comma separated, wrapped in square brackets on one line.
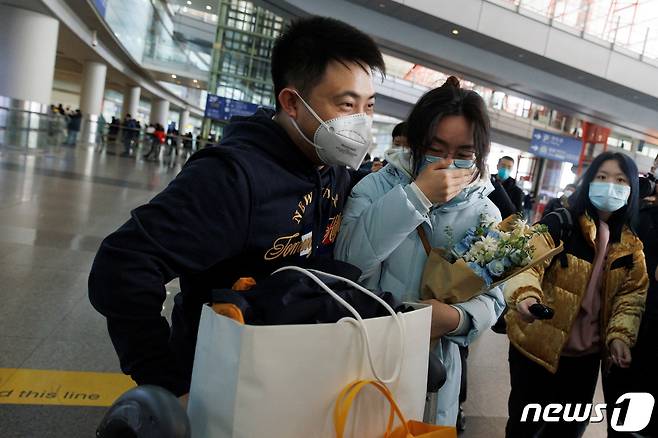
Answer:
[(174, 76), (455, 32), (189, 2), (208, 7), (195, 81)]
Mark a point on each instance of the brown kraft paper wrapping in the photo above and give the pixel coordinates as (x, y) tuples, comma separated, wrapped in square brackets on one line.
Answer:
[(453, 283)]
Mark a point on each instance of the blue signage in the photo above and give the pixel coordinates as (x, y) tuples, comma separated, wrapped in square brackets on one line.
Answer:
[(100, 6), (222, 108), (555, 146)]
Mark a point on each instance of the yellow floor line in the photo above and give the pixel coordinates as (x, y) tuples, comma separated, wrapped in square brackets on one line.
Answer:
[(20, 386)]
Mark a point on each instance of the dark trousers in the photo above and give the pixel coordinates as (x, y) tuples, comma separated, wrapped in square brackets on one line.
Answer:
[(574, 382), (640, 377), (463, 354)]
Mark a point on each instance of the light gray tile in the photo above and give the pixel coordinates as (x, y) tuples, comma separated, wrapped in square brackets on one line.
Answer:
[(83, 322), (26, 421), (484, 427), (14, 350), (83, 354)]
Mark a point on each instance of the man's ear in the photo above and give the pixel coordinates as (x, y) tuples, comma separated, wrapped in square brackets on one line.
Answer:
[(288, 101)]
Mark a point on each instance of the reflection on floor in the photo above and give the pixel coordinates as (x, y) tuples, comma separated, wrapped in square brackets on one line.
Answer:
[(55, 208)]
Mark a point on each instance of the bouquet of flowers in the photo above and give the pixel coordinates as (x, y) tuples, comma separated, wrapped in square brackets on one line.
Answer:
[(487, 256)]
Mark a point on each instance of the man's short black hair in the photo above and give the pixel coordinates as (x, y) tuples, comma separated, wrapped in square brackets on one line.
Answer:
[(301, 54), (400, 130), (507, 157)]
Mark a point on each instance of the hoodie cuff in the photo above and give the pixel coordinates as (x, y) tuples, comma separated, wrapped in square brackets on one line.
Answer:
[(418, 198)]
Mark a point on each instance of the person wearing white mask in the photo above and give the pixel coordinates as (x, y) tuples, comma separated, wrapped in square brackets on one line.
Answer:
[(597, 287), (440, 181), (271, 194)]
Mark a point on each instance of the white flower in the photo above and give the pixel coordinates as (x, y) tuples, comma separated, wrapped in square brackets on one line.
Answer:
[(490, 244)]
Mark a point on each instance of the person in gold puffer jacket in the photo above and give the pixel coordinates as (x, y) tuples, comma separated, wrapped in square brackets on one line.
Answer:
[(597, 289)]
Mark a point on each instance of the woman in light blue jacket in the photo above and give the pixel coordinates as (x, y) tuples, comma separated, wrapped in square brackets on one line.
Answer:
[(441, 184)]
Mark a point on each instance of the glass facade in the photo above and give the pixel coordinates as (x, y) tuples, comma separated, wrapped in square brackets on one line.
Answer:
[(243, 46), (146, 30), (629, 24)]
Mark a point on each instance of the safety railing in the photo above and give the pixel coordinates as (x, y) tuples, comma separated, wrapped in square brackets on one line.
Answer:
[(30, 131), (26, 129)]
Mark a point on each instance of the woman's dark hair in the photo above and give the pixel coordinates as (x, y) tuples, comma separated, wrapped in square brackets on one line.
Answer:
[(302, 52), (580, 203), (448, 100)]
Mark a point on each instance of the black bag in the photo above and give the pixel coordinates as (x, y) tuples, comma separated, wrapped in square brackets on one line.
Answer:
[(290, 297)]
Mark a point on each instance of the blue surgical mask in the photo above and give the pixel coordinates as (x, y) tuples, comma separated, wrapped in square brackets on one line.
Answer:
[(503, 173), (608, 196)]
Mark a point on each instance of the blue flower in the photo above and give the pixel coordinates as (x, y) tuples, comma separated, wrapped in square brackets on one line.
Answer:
[(496, 267), (493, 233), (481, 272), (464, 245), (461, 248)]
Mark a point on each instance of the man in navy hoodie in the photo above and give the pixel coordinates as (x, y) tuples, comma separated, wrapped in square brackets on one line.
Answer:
[(271, 194)]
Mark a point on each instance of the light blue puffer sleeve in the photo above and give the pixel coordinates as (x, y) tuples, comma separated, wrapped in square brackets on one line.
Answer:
[(376, 220), (482, 311)]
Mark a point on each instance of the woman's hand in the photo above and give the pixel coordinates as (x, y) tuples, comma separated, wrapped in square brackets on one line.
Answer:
[(523, 307), (441, 184), (620, 353), (445, 318)]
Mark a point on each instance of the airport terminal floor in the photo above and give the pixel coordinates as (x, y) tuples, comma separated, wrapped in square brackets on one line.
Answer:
[(55, 208)]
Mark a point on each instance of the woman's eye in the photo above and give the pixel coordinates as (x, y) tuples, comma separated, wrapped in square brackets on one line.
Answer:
[(347, 105)]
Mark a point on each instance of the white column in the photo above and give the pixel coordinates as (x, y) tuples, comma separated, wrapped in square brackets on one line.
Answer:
[(131, 101), (28, 45), (160, 111), (183, 120), (91, 99)]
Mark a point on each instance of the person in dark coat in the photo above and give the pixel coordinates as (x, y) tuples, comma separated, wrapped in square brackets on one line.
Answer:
[(562, 201), (270, 195), (640, 375), (75, 120), (514, 193)]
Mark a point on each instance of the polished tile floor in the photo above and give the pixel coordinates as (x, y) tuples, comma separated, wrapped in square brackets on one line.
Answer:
[(55, 208)]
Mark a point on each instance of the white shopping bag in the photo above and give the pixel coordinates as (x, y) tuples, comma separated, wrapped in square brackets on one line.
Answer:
[(282, 381)]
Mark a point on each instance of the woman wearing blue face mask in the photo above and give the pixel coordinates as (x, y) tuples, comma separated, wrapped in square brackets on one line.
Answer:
[(597, 287), (440, 181)]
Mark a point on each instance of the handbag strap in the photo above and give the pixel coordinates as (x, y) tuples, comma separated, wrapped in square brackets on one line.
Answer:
[(357, 318), (346, 399), (423, 238)]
